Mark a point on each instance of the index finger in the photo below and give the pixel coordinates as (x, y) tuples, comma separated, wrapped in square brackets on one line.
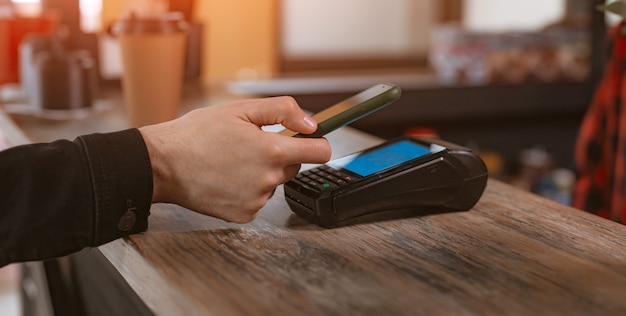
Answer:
[(305, 150)]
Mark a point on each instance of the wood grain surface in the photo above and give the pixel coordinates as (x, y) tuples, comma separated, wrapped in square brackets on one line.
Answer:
[(514, 253)]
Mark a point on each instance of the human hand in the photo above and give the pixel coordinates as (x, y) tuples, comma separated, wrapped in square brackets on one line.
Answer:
[(219, 162)]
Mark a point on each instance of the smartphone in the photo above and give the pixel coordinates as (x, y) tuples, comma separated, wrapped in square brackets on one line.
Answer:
[(351, 109)]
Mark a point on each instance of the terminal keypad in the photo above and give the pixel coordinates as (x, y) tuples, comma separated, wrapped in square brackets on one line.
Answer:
[(324, 178)]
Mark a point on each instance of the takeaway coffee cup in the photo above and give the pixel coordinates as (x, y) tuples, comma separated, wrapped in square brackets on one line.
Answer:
[(153, 57)]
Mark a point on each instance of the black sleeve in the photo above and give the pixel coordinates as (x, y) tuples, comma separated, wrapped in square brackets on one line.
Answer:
[(57, 198)]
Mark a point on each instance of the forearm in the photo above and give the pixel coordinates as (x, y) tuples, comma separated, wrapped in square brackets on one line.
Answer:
[(60, 197)]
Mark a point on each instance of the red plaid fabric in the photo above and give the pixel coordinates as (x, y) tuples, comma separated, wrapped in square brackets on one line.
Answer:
[(601, 145)]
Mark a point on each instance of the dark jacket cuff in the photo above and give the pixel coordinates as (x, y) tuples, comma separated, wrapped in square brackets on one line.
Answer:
[(121, 181)]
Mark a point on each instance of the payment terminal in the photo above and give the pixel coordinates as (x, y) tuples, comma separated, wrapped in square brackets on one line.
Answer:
[(404, 173)]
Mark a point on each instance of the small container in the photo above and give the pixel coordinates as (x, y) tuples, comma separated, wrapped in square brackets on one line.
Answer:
[(54, 77)]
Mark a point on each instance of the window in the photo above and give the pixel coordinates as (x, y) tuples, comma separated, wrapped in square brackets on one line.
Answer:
[(407, 34)]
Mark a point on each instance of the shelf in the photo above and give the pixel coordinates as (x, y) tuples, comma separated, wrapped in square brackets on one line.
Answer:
[(425, 101)]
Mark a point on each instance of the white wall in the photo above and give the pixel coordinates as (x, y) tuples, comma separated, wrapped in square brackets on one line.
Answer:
[(511, 15), (356, 27)]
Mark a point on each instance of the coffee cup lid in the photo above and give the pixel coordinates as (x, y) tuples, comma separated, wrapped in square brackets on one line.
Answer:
[(170, 22)]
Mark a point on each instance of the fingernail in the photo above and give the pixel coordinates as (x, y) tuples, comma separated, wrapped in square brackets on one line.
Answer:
[(309, 121)]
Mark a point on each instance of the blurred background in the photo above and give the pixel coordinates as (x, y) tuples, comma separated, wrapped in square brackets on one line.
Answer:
[(270, 38), (510, 79)]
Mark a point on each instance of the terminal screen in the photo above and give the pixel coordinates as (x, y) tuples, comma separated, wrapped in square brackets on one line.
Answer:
[(370, 162)]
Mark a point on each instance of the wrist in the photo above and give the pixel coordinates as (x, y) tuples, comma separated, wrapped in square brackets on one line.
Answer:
[(155, 145)]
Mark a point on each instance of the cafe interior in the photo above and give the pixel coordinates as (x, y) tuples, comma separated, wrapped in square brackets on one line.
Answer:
[(513, 81)]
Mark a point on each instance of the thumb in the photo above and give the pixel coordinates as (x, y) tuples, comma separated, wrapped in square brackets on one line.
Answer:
[(282, 110)]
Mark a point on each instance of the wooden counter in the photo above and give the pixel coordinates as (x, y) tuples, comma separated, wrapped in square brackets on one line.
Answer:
[(514, 253)]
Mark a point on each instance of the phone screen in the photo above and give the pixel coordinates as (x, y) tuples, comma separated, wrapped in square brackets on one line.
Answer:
[(347, 104), (351, 109)]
